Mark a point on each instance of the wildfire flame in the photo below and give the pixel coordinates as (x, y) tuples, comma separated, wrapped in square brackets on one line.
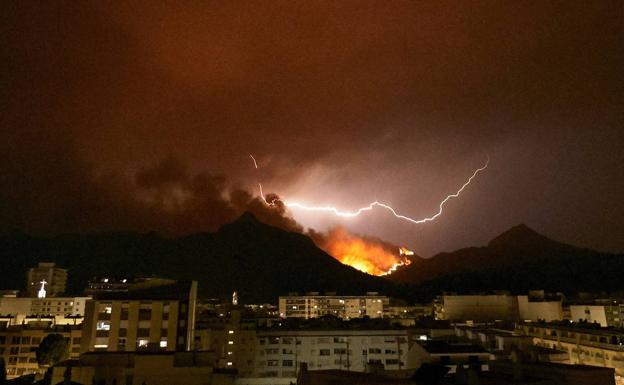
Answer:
[(368, 255)]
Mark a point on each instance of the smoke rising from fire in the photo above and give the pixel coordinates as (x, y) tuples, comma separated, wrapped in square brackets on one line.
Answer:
[(165, 196)]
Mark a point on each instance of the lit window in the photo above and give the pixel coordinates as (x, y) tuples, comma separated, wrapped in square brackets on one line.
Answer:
[(229, 353), (100, 346), (229, 363), (142, 343), (163, 343), (230, 331), (103, 325), (230, 342)]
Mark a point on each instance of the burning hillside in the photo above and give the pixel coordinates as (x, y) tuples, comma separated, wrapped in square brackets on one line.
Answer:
[(367, 254)]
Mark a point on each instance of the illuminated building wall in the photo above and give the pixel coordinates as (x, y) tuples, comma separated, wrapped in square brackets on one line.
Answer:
[(345, 307), (55, 279), (279, 353), (58, 310), (483, 308), (18, 345), (155, 319)]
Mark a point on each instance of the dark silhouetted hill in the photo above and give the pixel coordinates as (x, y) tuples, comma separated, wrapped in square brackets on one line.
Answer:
[(518, 260), (259, 261)]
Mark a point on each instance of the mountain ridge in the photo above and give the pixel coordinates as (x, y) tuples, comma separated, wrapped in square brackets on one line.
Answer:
[(261, 262), (518, 260)]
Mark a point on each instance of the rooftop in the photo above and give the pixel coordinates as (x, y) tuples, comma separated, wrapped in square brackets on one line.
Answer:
[(330, 322), (178, 290), (580, 327), (441, 347)]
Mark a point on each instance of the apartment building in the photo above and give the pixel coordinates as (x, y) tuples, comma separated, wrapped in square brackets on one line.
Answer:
[(229, 336), (346, 307), (279, 352), (157, 318), (584, 344), (59, 310), (19, 343), (47, 277)]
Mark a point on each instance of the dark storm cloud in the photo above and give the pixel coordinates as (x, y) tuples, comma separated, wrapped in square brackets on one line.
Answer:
[(120, 116)]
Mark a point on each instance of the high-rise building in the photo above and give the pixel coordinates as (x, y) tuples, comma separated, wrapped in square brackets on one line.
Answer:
[(46, 280), (158, 318)]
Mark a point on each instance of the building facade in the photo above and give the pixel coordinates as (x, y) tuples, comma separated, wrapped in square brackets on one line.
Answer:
[(476, 308), (54, 280), (280, 353), (539, 309), (345, 307), (155, 319), (19, 343), (58, 310), (231, 338), (495, 307), (606, 312), (584, 344)]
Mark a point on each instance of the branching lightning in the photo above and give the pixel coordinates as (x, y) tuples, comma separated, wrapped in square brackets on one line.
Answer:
[(369, 207), (403, 259)]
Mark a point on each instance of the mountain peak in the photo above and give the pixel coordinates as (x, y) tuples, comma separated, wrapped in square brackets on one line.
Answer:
[(519, 235), (245, 223), (247, 217)]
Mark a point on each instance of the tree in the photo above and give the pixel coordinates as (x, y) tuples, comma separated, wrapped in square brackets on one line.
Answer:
[(52, 349)]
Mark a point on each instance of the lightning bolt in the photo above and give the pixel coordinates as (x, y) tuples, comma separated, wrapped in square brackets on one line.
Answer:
[(351, 214), (404, 261), (254, 161), (370, 206)]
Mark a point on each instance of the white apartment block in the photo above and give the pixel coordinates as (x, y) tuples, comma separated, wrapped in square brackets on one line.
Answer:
[(59, 310), (279, 353), (345, 307), (584, 345)]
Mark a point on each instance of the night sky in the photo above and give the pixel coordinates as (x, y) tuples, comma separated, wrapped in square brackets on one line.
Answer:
[(142, 115)]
